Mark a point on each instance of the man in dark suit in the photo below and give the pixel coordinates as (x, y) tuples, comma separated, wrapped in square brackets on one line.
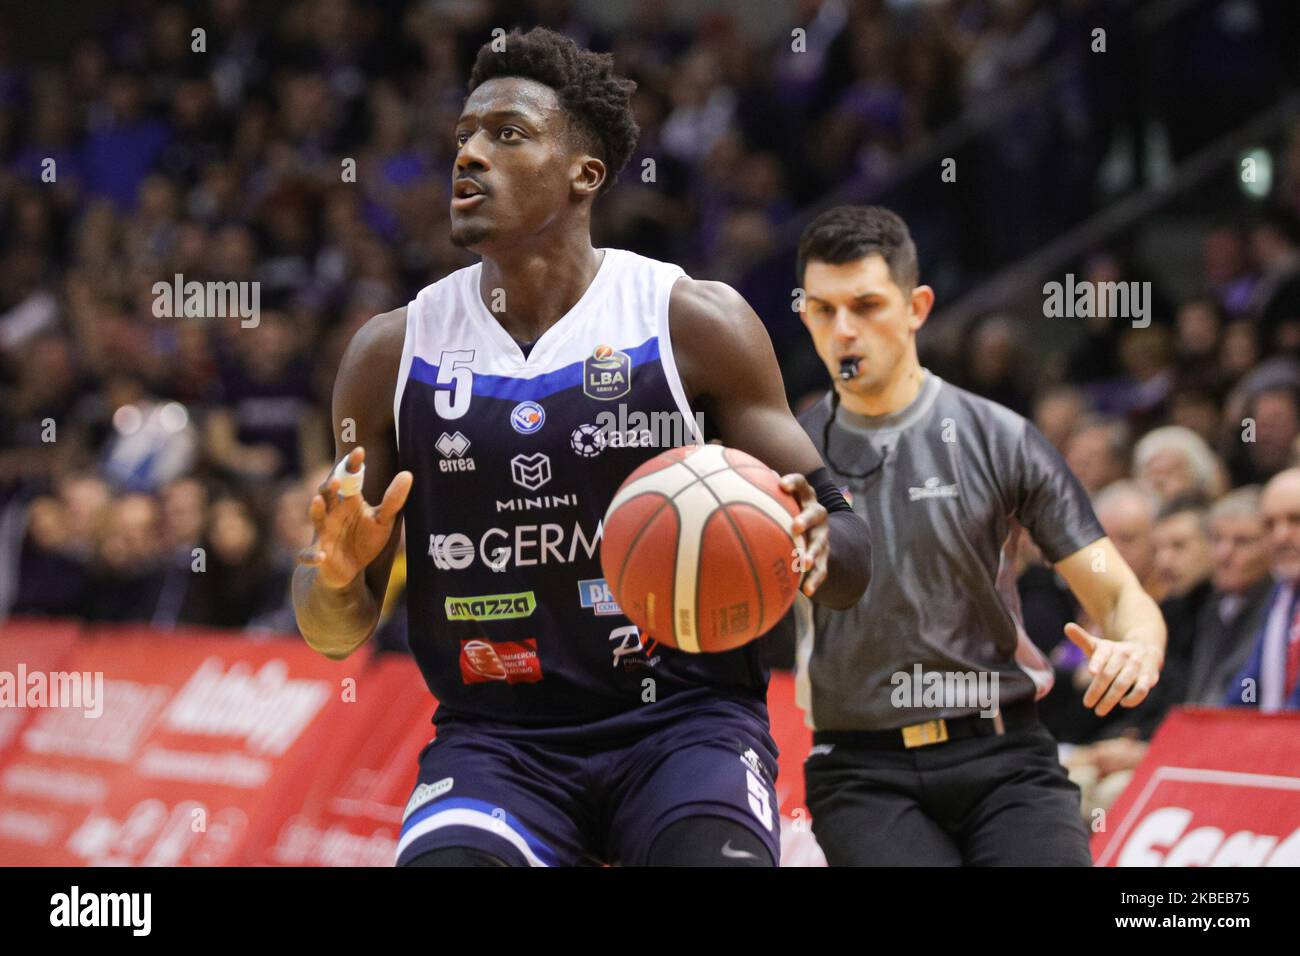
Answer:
[(1270, 679), (1228, 621)]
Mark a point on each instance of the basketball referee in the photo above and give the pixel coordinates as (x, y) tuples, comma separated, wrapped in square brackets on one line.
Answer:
[(927, 749)]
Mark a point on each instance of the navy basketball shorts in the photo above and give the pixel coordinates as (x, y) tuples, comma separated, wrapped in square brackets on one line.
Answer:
[(536, 798)]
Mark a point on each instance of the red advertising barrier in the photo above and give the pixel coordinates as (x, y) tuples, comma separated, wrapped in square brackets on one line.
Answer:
[(189, 746), (195, 748), (1217, 788), (25, 648), (348, 811), (793, 738)]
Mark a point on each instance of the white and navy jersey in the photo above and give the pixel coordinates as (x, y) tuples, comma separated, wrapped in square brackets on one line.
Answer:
[(516, 455)]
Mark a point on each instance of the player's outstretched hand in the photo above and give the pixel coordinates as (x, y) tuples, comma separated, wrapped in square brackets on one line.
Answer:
[(1123, 672), (811, 523), (349, 532)]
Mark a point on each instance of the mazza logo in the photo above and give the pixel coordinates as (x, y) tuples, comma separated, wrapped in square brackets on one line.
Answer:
[(594, 593), (607, 374), (490, 607)]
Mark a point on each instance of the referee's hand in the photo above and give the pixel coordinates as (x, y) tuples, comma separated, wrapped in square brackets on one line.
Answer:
[(1123, 672)]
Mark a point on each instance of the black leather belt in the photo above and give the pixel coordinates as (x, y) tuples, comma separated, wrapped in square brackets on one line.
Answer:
[(1015, 716)]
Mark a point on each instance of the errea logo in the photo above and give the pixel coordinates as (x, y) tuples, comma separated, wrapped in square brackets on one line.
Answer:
[(452, 448), (932, 489)]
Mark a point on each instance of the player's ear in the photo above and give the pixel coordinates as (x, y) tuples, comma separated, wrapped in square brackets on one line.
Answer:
[(588, 175), (922, 303)]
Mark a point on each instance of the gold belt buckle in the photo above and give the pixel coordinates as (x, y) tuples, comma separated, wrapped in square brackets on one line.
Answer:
[(924, 734)]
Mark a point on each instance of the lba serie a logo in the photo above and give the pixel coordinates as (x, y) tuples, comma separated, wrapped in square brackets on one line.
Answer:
[(607, 374)]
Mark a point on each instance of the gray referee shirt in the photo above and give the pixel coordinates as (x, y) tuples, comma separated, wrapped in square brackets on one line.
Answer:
[(960, 477)]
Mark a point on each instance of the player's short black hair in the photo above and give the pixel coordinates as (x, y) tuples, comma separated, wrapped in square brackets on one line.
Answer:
[(598, 101), (848, 233)]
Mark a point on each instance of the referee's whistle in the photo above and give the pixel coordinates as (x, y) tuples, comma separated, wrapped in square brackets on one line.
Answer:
[(848, 368)]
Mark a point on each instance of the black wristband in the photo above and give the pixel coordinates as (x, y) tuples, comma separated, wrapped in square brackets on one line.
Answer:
[(828, 493), (849, 569)]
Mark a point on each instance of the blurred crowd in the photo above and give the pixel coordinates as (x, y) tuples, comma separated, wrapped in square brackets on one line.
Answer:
[(135, 448)]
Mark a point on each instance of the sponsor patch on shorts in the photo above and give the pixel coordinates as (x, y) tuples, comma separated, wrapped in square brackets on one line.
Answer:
[(424, 793)]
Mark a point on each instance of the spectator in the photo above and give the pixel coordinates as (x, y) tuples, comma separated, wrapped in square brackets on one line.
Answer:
[(1098, 451), (1194, 407), (1275, 300), (120, 150), (1266, 448), (1270, 678), (184, 521), (291, 532), (1057, 414), (1199, 330), (86, 501), (996, 361), (1183, 559), (1183, 566), (52, 577), (1240, 350), (126, 578), (1127, 511), (267, 426), (234, 584), (1229, 620), (1174, 462), (1227, 270)]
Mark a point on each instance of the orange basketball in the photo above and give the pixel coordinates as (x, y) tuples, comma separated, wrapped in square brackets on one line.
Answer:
[(697, 548)]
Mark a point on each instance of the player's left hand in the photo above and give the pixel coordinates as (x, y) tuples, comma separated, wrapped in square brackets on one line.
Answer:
[(1123, 672), (811, 523)]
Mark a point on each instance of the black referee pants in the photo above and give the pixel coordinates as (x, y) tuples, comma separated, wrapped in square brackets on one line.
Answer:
[(981, 801)]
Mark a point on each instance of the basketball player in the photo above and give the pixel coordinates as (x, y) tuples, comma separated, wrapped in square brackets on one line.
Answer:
[(927, 748), (563, 737)]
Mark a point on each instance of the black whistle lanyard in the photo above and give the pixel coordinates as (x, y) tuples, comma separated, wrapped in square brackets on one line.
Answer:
[(826, 444)]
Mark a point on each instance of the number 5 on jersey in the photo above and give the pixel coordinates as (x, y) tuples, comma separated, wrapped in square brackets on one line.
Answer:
[(454, 383)]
